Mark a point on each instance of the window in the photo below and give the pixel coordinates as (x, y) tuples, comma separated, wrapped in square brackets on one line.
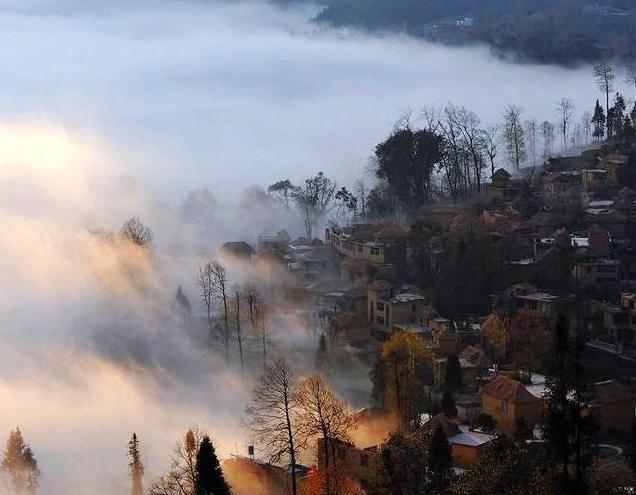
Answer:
[(375, 251), (504, 407), (380, 306), (379, 320), (364, 459), (414, 307), (359, 248)]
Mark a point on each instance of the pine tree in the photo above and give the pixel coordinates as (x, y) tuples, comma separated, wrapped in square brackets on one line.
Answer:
[(209, 476), (448, 404), (136, 466), (453, 374), (19, 466), (439, 462), (599, 122)]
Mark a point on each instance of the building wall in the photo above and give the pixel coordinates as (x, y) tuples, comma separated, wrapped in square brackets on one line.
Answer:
[(359, 463), (507, 415), (464, 456), (595, 273)]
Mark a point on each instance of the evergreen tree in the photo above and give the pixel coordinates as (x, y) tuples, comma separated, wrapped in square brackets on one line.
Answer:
[(448, 404), (439, 462), (599, 122), (321, 352), (19, 466), (558, 428), (453, 374), (209, 476), (136, 466)]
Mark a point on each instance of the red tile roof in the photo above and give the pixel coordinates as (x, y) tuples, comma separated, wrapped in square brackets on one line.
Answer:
[(512, 391)]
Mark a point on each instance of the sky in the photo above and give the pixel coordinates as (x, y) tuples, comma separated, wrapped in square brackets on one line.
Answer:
[(169, 110), (219, 95)]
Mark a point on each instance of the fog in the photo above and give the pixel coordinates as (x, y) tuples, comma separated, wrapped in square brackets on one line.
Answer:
[(119, 108)]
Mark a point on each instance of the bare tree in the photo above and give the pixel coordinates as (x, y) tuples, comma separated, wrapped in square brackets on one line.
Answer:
[(468, 124), (604, 76), (136, 232), (565, 108), (586, 122), (237, 293), (547, 132), (490, 143), (219, 277), (514, 135), (250, 295), (531, 131), (180, 480), (206, 284), (314, 199), (324, 415), (272, 415), (262, 327)]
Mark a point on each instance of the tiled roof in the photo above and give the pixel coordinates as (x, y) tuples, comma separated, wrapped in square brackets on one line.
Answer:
[(512, 391)]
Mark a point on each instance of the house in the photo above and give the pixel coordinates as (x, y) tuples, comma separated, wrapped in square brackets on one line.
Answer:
[(535, 302), (512, 406), (544, 224), (240, 249), (595, 180), (613, 163), (388, 307), (361, 464), (590, 271), (612, 406), (278, 242), (467, 444), (563, 186), (473, 362), (502, 188)]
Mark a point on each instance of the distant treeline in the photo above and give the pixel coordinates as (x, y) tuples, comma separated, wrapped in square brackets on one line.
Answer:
[(551, 31)]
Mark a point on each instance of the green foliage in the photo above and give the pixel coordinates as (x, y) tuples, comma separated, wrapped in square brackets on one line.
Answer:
[(448, 404), (209, 476), (453, 374), (407, 161)]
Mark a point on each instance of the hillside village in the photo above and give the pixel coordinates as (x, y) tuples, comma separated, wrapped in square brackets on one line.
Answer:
[(560, 241)]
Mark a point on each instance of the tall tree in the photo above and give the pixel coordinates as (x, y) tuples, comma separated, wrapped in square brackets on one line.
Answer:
[(531, 130), (515, 137), (598, 119), (490, 144), (314, 199), (209, 478), (273, 415), (453, 374), (405, 365), (407, 160), (439, 462), (180, 479), (604, 76), (324, 415), (136, 466), (237, 295), (565, 108), (547, 133), (220, 290), (19, 466), (283, 189)]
